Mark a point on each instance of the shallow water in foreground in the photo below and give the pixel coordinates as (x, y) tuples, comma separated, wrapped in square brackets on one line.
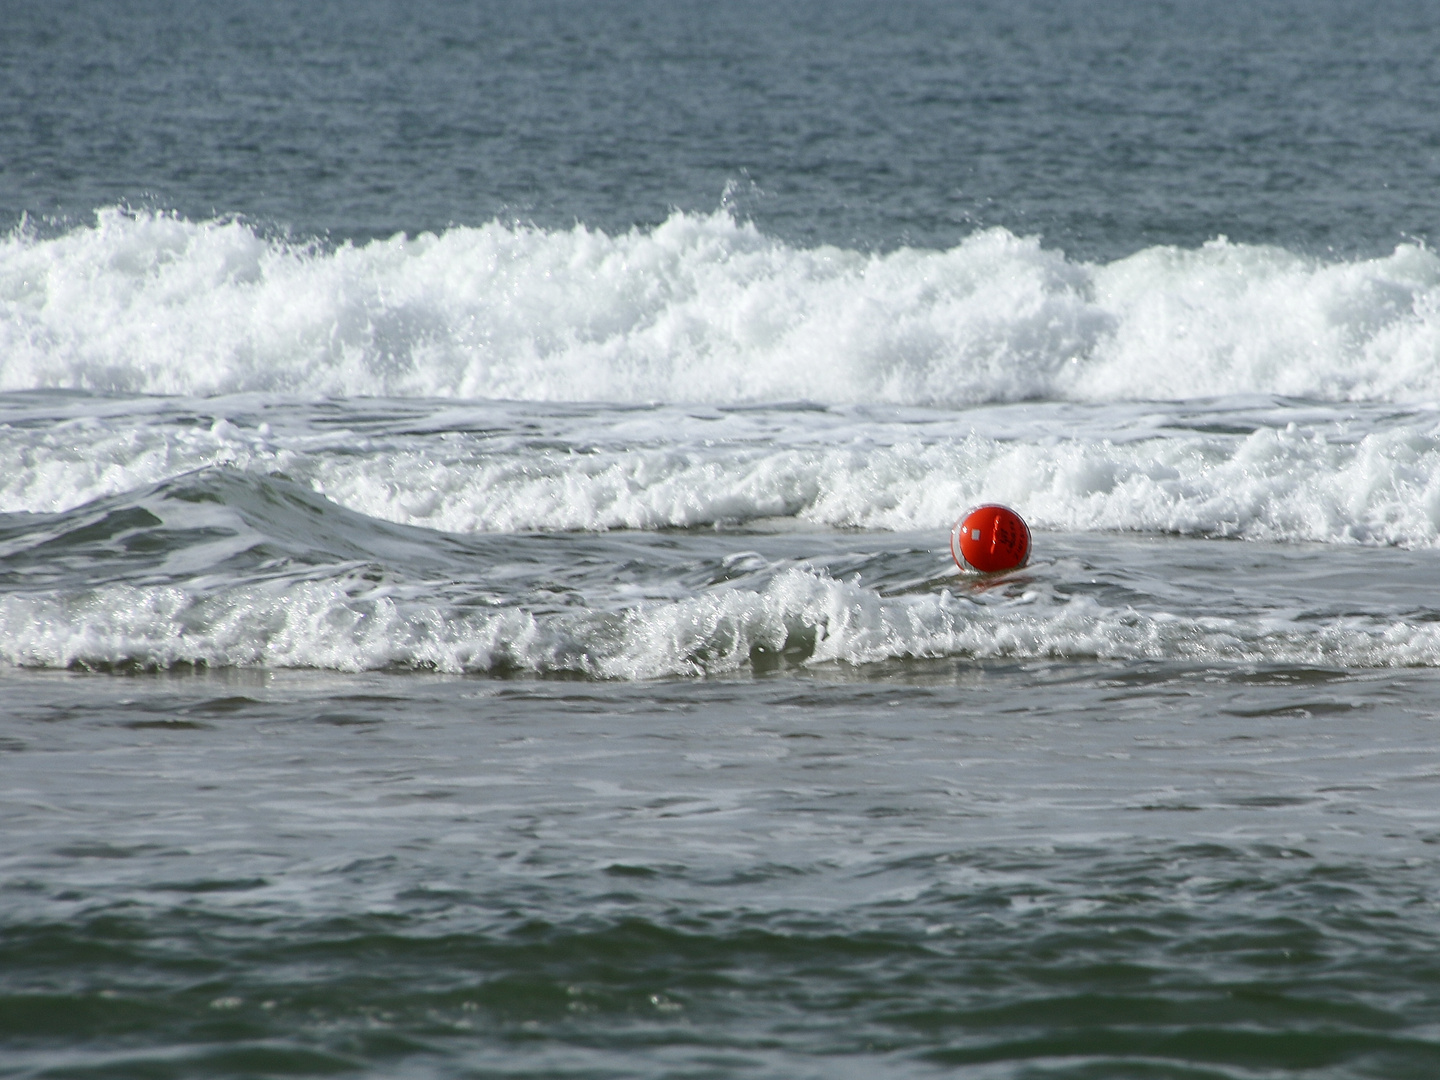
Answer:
[(1017, 867)]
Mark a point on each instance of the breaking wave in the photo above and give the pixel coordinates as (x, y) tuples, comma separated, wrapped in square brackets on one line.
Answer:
[(1277, 473), (702, 308), (221, 568), (801, 617)]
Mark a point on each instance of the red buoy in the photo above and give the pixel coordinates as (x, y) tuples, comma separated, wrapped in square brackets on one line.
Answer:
[(990, 538)]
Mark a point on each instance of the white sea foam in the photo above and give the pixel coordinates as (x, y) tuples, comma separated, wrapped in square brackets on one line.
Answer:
[(702, 309), (1286, 484), (352, 626), (1330, 478)]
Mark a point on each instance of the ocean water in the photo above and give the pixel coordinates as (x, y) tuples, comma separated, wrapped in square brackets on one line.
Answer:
[(475, 490)]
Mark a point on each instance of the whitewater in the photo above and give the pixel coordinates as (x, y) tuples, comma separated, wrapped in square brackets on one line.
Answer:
[(238, 401), (682, 411), (1228, 390), (702, 309)]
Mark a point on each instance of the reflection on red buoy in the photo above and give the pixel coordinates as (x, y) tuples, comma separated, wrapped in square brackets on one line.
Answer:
[(990, 538)]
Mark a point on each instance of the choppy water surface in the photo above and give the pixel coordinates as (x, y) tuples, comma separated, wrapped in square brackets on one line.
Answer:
[(475, 484), (1011, 868)]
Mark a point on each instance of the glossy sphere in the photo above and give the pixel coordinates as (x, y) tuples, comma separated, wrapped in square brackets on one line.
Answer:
[(990, 538)]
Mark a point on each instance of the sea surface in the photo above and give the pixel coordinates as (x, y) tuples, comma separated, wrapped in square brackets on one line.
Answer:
[(475, 488)]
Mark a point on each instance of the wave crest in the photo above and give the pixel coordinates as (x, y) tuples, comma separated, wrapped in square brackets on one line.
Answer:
[(801, 617), (702, 309)]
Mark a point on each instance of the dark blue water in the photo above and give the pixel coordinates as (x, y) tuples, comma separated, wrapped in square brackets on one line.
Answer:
[(1103, 128), (524, 652)]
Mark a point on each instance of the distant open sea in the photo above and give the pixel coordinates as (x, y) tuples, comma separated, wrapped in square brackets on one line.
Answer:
[(475, 488)]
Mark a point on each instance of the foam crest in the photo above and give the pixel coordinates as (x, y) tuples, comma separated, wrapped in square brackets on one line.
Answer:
[(1289, 484), (701, 309), (1324, 480), (1234, 319), (801, 616)]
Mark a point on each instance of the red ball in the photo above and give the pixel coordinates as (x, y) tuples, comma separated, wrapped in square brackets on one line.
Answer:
[(990, 538)]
